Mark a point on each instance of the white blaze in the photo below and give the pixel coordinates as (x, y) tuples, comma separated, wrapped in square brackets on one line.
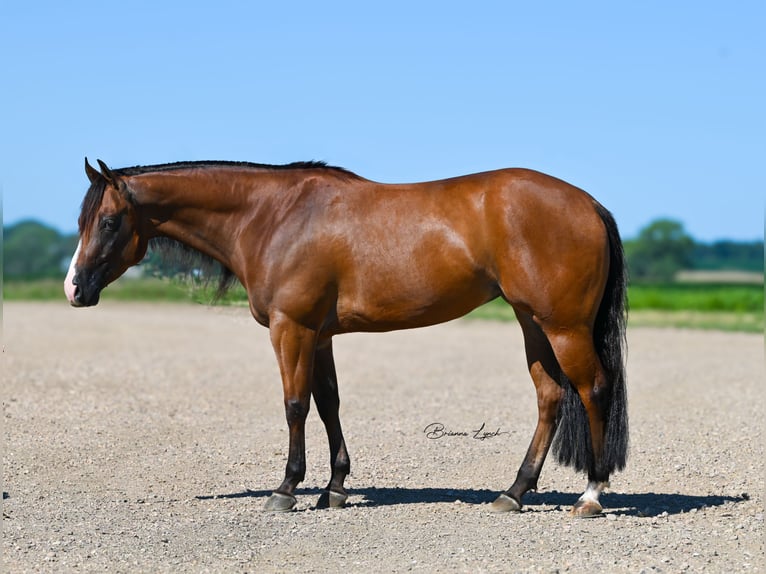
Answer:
[(69, 287)]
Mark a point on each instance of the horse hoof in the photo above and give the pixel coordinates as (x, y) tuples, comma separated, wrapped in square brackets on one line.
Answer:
[(279, 502), (586, 509), (505, 503), (332, 499)]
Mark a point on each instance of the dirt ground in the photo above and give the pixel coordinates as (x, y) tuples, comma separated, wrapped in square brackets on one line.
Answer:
[(143, 438)]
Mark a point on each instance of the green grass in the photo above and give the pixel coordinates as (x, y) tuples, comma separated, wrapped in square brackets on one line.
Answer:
[(728, 307), (746, 322), (124, 289), (737, 298), (733, 307)]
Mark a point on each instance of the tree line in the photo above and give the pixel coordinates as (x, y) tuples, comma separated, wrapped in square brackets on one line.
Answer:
[(33, 250), (663, 248)]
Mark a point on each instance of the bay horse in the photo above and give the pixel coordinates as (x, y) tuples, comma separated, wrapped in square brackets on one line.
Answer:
[(322, 251)]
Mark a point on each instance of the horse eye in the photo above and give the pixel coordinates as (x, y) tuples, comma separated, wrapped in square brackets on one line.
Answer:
[(109, 224)]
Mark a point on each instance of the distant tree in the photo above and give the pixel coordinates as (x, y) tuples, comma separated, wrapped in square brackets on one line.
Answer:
[(32, 250), (729, 255), (661, 250)]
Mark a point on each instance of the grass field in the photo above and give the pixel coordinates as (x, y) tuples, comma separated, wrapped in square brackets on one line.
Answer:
[(734, 307), (731, 307), (712, 297), (125, 289)]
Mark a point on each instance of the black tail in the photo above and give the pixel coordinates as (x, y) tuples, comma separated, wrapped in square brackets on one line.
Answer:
[(572, 444)]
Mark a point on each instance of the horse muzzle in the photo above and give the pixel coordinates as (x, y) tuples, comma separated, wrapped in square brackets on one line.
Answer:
[(83, 290)]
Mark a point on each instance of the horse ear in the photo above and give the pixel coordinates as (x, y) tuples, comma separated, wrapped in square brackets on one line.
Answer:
[(107, 173), (90, 171)]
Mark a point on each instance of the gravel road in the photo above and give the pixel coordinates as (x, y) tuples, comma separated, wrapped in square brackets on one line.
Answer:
[(146, 438)]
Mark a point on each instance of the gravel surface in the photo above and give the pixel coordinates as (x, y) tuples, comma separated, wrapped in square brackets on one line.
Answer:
[(143, 438)]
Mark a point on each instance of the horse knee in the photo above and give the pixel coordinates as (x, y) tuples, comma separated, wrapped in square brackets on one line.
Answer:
[(296, 410)]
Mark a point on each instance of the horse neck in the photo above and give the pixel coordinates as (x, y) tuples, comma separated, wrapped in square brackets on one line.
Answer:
[(204, 209)]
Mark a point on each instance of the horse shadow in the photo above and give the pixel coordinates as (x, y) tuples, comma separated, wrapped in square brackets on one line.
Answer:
[(648, 504)]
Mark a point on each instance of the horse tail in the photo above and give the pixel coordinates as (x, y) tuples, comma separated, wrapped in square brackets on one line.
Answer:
[(572, 443)]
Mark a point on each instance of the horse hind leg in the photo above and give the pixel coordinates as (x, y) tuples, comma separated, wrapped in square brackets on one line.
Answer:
[(581, 439), (545, 373)]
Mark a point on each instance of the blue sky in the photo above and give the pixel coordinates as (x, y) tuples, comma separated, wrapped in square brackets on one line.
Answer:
[(656, 108)]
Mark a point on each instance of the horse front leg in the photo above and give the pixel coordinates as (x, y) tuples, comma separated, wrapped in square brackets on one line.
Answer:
[(295, 347), (325, 391)]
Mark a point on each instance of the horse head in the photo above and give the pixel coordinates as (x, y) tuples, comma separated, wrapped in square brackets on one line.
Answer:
[(111, 237)]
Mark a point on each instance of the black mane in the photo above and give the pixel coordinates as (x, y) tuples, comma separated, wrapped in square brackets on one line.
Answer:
[(91, 203), (139, 169), (177, 260)]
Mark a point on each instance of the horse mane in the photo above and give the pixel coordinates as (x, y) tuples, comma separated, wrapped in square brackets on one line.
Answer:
[(183, 261), (141, 169), (172, 252), (90, 203)]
